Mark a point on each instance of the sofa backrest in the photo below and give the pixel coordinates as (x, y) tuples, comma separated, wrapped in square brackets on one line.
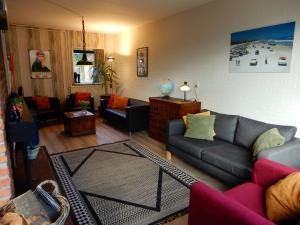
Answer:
[(248, 131), (136, 102), (53, 101), (225, 126), (71, 100)]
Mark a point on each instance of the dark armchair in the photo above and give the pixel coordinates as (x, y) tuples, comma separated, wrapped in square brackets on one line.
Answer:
[(43, 115), (71, 106), (134, 117)]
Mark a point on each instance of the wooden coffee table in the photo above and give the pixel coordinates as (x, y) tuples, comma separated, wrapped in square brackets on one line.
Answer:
[(79, 123)]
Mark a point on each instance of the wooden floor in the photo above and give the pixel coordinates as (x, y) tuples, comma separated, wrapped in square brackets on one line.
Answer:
[(55, 140)]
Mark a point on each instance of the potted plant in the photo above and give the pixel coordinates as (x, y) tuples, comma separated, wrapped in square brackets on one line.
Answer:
[(84, 105), (32, 151), (107, 75)]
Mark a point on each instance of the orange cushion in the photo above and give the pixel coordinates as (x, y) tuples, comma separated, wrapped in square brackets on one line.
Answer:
[(42, 102), (111, 101), (120, 102), (81, 96), (283, 199)]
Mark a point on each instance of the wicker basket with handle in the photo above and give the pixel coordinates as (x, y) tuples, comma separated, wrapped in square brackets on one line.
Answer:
[(63, 202), (35, 208)]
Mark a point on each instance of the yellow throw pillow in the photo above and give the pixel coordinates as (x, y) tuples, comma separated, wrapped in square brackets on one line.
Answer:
[(283, 199), (207, 113)]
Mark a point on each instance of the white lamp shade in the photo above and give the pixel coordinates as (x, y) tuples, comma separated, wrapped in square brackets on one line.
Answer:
[(110, 58), (185, 87)]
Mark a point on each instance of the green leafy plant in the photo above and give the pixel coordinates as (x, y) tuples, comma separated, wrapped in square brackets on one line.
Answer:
[(84, 104), (107, 75)]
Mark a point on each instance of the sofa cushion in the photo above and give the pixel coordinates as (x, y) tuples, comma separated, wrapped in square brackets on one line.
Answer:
[(282, 199), (200, 127), (225, 126), (191, 146), (111, 101), (81, 96), (207, 113), (254, 199), (117, 112), (230, 158), (120, 102), (269, 139), (42, 102), (249, 130)]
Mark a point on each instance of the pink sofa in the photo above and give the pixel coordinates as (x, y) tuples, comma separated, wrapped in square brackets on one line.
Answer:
[(241, 205)]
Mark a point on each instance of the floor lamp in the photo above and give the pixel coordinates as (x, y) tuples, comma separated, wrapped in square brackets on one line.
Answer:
[(110, 59)]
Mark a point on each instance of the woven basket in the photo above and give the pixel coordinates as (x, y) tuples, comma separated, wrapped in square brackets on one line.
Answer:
[(63, 202)]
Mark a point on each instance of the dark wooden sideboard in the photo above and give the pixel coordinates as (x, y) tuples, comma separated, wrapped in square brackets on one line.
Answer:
[(164, 109), (21, 132)]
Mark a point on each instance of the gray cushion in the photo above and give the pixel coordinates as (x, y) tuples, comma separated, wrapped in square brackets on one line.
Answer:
[(118, 112), (230, 158), (225, 126), (249, 130), (192, 146)]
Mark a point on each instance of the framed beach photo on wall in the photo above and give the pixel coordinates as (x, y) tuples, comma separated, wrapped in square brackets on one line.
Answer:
[(40, 64), (262, 50), (142, 62)]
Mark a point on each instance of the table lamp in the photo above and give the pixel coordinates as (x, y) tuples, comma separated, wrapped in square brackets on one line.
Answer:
[(185, 88)]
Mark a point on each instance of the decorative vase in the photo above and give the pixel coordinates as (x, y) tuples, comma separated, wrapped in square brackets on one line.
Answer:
[(32, 152)]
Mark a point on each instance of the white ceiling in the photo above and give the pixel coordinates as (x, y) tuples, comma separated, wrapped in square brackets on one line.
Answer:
[(100, 15)]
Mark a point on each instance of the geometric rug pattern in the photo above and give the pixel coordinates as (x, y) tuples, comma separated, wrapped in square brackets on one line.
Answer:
[(122, 183)]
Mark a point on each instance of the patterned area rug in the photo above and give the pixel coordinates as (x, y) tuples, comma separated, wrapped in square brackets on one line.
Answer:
[(122, 184)]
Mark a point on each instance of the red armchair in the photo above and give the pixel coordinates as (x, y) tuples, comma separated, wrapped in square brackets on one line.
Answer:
[(241, 205)]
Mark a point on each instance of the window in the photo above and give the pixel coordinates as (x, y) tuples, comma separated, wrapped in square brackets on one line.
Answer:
[(84, 74)]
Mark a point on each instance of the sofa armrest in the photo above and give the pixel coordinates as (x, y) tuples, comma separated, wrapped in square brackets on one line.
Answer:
[(137, 117), (287, 154), (209, 206), (175, 127), (92, 104), (69, 102), (137, 109), (55, 103), (104, 102), (103, 106), (30, 103), (267, 172)]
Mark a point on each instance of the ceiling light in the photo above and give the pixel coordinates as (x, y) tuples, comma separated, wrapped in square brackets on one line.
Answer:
[(83, 61)]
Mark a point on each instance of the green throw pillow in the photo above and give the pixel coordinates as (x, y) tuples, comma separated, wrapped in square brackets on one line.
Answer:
[(200, 127), (267, 140)]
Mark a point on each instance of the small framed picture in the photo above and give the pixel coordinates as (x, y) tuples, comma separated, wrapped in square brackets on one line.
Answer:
[(142, 62), (40, 64)]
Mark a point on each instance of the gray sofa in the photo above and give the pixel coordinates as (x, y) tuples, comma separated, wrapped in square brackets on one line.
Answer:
[(229, 156)]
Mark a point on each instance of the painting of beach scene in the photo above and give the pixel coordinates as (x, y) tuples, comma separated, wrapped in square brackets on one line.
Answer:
[(262, 50)]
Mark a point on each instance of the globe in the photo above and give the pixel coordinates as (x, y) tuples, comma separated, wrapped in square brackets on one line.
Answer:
[(166, 87)]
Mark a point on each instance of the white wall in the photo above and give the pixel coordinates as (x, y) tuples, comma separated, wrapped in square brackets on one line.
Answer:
[(194, 46)]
